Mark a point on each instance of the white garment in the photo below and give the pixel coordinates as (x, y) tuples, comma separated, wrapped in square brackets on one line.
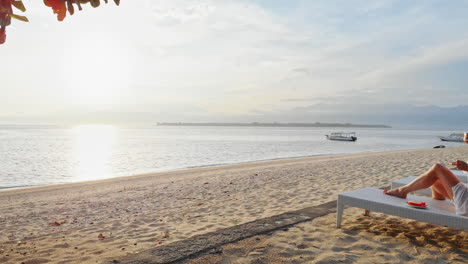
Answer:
[(460, 198)]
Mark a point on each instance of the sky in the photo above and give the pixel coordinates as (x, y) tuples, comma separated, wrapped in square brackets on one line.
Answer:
[(399, 63)]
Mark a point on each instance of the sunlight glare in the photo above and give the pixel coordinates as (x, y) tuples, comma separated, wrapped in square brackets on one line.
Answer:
[(98, 75), (93, 146)]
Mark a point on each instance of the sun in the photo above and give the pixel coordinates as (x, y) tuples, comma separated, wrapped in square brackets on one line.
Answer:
[(97, 75)]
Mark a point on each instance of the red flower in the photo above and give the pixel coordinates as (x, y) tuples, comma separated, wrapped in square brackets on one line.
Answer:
[(2, 35), (6, 13), (59, 8)]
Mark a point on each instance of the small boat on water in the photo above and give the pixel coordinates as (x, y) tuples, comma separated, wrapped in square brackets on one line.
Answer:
[(342, 136), (454, 137)]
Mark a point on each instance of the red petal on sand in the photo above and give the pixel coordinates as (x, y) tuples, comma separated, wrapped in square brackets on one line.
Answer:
[(55, 224), (101, 236)]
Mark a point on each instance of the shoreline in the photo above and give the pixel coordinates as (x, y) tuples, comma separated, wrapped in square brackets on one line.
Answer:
[(95, 221), (155, 173)]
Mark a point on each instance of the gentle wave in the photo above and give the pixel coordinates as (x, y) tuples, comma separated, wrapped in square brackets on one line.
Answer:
[(35, 156)]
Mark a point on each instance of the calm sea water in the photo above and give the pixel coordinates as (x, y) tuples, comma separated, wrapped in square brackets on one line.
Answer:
[(33, 156)]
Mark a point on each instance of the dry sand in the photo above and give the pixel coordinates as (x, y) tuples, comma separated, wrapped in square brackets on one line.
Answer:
[(362, 239), (95, 221)]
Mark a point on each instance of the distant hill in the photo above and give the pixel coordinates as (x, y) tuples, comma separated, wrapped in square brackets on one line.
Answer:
[(257, 124)]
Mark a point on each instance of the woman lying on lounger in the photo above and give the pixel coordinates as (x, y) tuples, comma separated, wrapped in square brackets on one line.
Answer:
[(444, 186)]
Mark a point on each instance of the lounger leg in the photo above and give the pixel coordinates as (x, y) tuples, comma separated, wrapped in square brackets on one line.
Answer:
[(339, 212)]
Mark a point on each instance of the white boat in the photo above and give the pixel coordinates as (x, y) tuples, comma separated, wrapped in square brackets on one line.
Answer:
[(454, 137), (342, 136)]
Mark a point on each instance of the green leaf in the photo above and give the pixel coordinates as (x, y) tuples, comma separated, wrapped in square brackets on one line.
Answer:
[(19, 5), (22, 18)]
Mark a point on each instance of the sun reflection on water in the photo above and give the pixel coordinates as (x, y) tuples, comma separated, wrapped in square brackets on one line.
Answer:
[(93, 146)]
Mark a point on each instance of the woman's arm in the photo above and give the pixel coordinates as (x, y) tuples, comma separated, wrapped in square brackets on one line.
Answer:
[(461, 165)]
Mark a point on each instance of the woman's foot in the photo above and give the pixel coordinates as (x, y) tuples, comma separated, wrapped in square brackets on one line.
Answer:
[(395, 192)]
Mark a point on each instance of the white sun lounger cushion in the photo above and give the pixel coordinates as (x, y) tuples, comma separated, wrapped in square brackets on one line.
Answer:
[(437, 212), (460, 174)]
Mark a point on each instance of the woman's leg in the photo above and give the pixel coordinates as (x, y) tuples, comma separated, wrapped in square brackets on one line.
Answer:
[(439, 192), (438, 173)]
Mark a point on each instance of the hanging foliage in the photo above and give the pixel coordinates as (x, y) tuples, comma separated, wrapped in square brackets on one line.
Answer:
[(59, 7)]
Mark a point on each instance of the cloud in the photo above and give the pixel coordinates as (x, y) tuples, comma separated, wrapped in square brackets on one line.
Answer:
[(426, 58), (397, 115), (236, 58)]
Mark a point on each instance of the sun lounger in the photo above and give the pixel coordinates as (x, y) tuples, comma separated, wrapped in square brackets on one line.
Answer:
[(460, 173), (437, 212), (462, 176)]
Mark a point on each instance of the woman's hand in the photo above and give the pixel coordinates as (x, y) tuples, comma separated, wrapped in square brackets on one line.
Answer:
[(461, 165)]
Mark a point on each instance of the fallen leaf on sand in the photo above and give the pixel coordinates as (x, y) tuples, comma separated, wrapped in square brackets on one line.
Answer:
[(56, 223), (100, 236), (200, 204), (205, 183)]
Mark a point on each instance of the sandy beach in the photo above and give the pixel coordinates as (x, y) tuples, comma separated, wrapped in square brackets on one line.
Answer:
[(92, 222), (375, 239)]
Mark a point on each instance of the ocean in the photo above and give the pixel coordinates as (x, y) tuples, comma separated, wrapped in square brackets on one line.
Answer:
[(34, 155)]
